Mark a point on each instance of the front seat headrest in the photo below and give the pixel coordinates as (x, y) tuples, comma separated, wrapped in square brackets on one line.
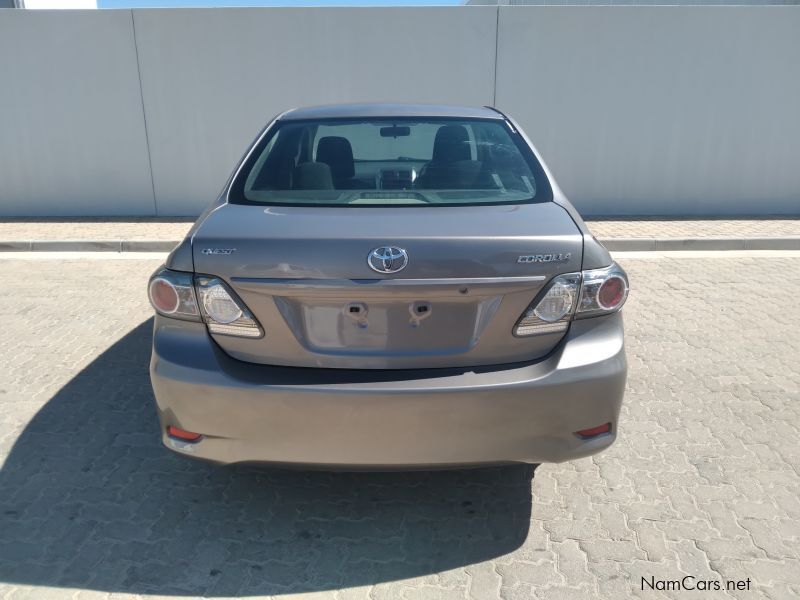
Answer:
[(337, 153), (451, 144)]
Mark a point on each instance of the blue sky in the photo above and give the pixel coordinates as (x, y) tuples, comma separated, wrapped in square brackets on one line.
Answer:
[(179, 3)]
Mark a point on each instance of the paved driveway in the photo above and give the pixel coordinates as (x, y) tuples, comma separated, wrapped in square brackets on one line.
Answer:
[(703, 481)]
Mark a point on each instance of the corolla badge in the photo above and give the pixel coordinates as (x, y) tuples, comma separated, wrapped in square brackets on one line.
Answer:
[(387, 259), (216, 251), (545, 258)]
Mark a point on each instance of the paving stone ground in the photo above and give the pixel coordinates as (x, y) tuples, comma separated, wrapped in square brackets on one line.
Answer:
[(174, 229), (693, 228), (24, 229), (703, 480)]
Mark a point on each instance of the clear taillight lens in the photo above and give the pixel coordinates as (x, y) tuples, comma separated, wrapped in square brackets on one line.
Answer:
[(603, 291), (574, 295), (219, 305), (223, 312), (172, 294), (551, 312)]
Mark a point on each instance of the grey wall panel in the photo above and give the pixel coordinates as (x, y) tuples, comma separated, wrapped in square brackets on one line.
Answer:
[(72, 139), (212, 78), (638, 110), (671, 110)]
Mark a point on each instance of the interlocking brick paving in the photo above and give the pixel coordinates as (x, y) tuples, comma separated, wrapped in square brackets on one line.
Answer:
[(688, 228), (143, 228)]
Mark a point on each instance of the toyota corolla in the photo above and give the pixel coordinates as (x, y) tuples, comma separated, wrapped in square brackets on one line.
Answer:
[(389, 286)]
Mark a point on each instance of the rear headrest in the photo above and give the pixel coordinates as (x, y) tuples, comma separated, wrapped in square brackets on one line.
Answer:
[(451, 144), (312, 176), (338, 154)]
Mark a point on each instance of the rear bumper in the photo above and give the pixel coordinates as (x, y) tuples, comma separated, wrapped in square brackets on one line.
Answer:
[(389, 419)]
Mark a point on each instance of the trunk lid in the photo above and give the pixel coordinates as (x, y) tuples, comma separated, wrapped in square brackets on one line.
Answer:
[(304, 273)]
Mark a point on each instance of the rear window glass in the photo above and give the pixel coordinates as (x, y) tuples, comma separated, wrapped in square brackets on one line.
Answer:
[(391, 162)]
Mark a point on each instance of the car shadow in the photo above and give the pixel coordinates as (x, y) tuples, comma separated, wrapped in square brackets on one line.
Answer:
[(90, 499)]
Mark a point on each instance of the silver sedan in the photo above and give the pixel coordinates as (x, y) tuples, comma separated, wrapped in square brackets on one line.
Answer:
[(389, 286)]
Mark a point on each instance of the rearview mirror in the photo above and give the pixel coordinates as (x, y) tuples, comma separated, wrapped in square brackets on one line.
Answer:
[(395, 131)]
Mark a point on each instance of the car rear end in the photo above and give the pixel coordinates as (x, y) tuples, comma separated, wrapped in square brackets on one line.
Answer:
[(419, 296)]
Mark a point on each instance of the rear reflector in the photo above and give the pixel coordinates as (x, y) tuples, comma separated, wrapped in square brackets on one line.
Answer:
[(594, 431), (182, 434)]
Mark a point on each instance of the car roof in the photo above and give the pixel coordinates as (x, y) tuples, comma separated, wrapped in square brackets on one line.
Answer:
[(345, 111)]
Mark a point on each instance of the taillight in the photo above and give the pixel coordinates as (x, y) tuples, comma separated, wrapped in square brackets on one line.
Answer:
[(164, 296), (574, 296), (191, 297), (172, 294), (611, 293), (223, 312), (551, 312), (603, 291)]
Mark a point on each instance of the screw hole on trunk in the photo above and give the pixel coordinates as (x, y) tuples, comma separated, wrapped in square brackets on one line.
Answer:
[(356, 310), (419, 310)]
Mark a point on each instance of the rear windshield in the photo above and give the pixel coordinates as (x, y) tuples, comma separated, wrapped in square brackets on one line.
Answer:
[(390, 162)]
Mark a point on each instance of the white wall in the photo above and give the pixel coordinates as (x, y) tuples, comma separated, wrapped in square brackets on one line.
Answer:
[(638, 110), (664, 110), (72, 138), (212, 78)]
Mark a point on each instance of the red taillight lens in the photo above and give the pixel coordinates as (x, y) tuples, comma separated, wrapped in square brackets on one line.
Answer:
[(172, 294), (594, 431), (603, 291), (164, 296), (182, 434), (611, 293)]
